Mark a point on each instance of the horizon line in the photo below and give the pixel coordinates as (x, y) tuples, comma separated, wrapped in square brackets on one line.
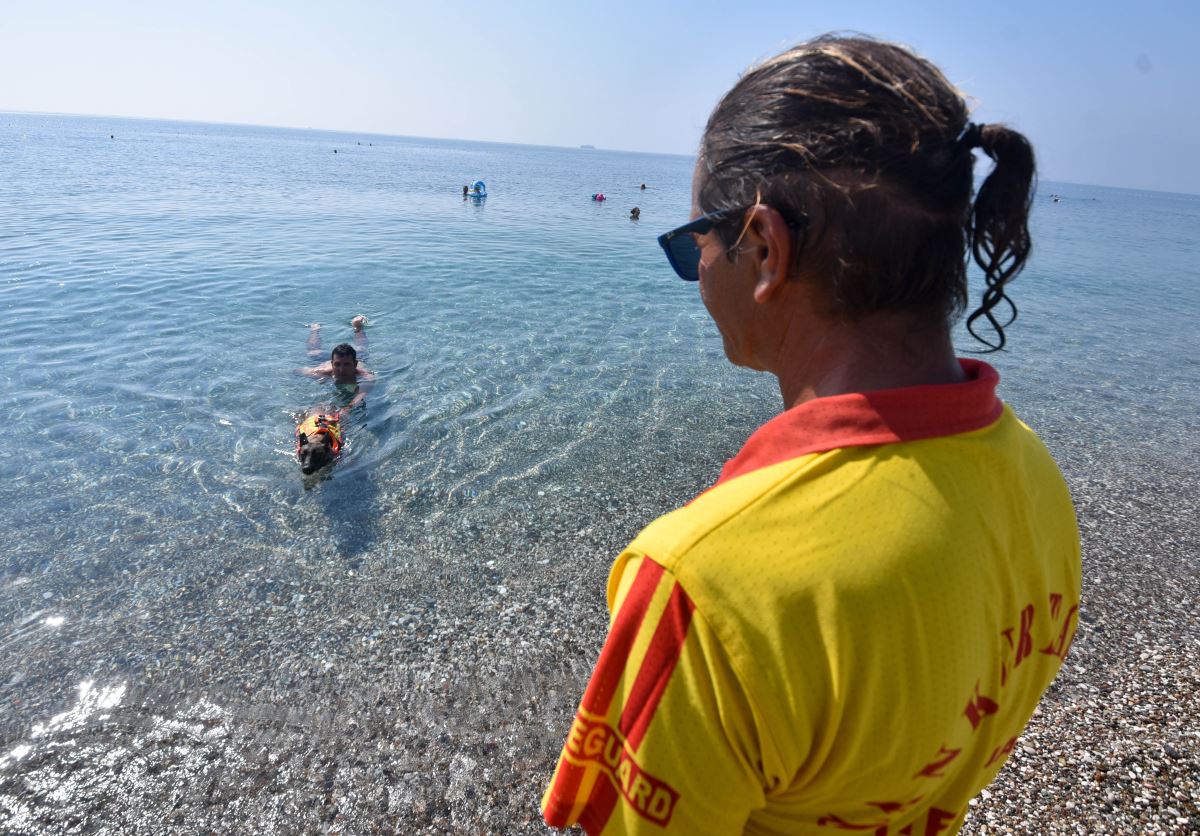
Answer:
[(580, 147)]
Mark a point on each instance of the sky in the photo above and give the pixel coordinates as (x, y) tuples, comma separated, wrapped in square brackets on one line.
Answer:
[(1108, 93)]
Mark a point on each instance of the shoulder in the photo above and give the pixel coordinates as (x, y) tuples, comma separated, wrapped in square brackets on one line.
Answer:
[(741, 548), (863, 519), (729, 510)]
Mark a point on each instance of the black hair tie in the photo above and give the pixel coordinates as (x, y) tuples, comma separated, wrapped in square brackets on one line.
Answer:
[(972, 136)]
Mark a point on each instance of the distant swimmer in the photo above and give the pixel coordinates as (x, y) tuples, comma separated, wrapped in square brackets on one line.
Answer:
[(466, 190), (335, 150), (635, 213), (643, 186), (599, 196)]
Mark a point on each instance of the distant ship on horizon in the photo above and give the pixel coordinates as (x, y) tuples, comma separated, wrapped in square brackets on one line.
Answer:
[(588, 147)]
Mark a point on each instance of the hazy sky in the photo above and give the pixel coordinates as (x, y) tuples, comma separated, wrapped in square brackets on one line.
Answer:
[(1109, 94)]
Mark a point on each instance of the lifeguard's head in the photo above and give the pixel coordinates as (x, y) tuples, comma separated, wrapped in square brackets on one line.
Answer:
[(865, 150)]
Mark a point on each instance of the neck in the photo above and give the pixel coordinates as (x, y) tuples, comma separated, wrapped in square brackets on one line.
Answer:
[(881, 351)]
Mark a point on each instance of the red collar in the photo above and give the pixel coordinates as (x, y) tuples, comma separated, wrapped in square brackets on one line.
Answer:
[(886, 416)]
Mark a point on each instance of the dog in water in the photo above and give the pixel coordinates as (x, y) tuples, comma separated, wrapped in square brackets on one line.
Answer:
[(318, 439)]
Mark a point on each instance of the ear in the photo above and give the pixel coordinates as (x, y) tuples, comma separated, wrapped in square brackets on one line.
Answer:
[(768, 235)]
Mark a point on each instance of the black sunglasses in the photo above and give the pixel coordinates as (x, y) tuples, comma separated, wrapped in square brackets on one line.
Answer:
[(680, 243)]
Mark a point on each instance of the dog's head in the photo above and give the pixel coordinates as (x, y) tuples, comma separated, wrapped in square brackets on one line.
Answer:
[(314, 451), (318, 441)]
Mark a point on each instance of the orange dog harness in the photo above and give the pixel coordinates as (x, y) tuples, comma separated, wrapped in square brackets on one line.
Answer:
[(330, 425)]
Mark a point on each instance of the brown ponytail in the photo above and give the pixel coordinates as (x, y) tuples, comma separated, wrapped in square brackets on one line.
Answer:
[(870, 146), (998, 228)]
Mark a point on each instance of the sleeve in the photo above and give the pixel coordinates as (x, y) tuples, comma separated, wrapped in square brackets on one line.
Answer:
[(664, 740)]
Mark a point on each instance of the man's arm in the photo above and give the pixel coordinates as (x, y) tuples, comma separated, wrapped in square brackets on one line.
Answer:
[(360, 391), (360, 335), (316, 372), (360, 395)]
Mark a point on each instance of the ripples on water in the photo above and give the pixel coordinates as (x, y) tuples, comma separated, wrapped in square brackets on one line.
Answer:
[(157, 285), (156, 288)]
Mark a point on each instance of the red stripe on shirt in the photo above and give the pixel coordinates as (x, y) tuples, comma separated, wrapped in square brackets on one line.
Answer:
[(885, 416), (655, 671), (597, 699), (600, 805), (661, 657), (610, 666), (562, 797)]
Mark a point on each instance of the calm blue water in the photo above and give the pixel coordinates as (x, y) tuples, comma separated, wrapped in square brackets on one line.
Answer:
[(156, 288)]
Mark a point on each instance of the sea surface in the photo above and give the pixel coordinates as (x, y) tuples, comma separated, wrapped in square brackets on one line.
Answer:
[(158, 281)]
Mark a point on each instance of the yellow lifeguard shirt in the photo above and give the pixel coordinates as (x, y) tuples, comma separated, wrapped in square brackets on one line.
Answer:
[(846, 633)]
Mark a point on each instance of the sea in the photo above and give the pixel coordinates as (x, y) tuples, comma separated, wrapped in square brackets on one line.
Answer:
[(158, 283)]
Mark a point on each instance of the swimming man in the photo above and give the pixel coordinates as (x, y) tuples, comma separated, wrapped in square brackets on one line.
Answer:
[(343, 365)]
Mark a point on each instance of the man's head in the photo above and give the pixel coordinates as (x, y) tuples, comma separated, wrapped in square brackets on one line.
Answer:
[(344, 360)]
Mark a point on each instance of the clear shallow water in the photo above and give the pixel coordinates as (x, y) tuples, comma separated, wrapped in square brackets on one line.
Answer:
[(1103, 357), (163, 280), (155, 290)]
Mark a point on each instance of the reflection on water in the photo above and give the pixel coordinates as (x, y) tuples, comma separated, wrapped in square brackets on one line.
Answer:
[(89, 701)]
